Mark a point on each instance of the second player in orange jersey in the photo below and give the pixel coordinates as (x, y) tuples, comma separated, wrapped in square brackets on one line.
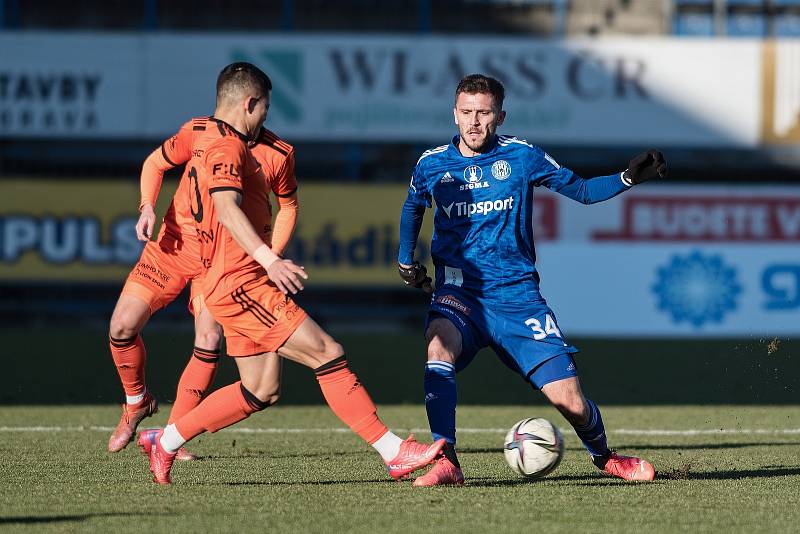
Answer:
[(173, 260), (246, 287)]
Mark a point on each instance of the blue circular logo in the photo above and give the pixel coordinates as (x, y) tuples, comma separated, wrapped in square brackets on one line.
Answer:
[(697, 288), (501, 169)]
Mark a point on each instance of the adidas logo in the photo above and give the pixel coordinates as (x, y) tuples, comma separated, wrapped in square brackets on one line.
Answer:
[(430, 396), (446, 178), (571, 367)]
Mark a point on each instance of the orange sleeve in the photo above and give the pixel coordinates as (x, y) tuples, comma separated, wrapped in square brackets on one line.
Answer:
[(224, 163), (173, 152), (284, 186), (285, 183), (285, 222)]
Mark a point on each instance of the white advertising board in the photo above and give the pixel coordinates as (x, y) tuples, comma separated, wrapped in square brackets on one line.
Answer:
[(626, 91), (675, 261)]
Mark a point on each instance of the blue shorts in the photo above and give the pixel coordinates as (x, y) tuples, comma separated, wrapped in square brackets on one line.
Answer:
[(556, 368), (524, 335)]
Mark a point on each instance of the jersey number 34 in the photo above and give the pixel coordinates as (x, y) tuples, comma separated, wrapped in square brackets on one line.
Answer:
[(540, 333)]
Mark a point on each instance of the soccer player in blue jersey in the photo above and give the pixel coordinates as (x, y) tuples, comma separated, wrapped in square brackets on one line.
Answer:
[(487, 286)]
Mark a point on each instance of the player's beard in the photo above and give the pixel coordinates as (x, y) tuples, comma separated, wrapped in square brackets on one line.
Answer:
[(480, 144)]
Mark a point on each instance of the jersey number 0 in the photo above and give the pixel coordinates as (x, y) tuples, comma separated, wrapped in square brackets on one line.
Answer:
[(198, 215)]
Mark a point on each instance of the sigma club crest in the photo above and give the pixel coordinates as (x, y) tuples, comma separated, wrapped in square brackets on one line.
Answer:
[(473, 174), (501, 169)]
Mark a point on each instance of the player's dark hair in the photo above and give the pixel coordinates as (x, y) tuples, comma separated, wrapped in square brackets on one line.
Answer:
[(240, 78), (478, 83)]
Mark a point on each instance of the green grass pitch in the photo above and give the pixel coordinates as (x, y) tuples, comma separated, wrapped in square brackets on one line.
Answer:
[(293, 469)]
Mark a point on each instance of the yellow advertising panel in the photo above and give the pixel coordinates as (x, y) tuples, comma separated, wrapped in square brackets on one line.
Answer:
[(349, 234), (70, 230), (83, 230)]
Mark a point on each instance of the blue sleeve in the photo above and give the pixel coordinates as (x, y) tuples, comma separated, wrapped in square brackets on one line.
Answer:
[(545, 171), (417, 201), (410, 224)]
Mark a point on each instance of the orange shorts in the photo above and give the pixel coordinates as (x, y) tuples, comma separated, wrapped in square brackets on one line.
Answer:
[(163, 270), (256, 317)]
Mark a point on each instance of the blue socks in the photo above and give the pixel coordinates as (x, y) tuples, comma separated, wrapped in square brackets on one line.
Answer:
[(440, 399), (593, 434)]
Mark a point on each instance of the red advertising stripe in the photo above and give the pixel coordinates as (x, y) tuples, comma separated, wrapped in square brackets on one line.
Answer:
[(692, 218)]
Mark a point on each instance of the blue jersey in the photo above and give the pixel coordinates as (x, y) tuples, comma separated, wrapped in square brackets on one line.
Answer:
[(483, 233)]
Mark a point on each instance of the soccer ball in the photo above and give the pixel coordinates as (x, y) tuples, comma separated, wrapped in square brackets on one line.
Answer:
[(534, 447)]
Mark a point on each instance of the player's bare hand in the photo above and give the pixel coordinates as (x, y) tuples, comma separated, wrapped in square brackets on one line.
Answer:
[(146, 223), (287, 275)]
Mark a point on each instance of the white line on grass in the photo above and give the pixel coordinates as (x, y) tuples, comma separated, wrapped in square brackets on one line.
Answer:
[(626, 431)]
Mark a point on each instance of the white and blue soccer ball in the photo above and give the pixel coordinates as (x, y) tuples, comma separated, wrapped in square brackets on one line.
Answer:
[(533, 447)]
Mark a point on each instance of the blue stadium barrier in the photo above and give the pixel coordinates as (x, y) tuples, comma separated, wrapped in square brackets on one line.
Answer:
[(424, 14), (150, 21), (786, 25), (693, 25), (746, 25), (290, 11), (9, 13)]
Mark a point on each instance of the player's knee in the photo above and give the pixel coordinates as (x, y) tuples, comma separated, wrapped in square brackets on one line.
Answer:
[(333, 350), (209, 340), (439, 352), (329, 350), (123, 325), (444, 342)]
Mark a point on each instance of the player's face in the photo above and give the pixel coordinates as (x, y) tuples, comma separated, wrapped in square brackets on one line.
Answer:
[(477, 117)]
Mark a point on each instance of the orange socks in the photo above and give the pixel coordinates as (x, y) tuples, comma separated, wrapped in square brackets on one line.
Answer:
[(343, 392), (129, 357), (349, 400), (221, 409), (195, 382)]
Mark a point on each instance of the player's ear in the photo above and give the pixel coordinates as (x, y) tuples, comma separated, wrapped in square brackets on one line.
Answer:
[(455, 116), (251, 104), (501, 117)]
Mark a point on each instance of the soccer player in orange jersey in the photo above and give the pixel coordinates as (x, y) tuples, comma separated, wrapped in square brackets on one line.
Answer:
[(246, 287), (168, 264)]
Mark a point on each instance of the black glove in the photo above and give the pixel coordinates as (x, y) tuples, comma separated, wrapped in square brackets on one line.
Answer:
[(416, 276), (646, 166)]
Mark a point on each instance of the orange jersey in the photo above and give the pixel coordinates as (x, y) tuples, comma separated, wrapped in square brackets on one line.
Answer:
[(228, 165), (256, 317), (276, 158), (165, 267), (185, 147)]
